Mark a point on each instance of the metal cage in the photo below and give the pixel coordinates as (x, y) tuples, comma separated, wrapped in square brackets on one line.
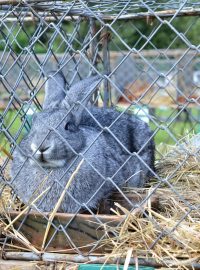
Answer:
[(147, 54)]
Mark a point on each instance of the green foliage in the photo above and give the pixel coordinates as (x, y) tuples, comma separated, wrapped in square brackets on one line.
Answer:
[(139, 34), (39, 39), (144, 34)]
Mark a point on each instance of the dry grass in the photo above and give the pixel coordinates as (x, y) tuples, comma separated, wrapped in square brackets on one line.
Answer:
[(6, 199), (170, 234)]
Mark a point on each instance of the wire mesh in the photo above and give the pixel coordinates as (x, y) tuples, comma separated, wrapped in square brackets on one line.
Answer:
[(144, 72), (104, 8)]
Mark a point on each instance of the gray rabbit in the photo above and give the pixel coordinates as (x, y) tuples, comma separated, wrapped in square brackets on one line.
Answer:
[(117, 149)]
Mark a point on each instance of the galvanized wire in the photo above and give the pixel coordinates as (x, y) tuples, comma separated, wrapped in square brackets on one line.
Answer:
[(98, 44)]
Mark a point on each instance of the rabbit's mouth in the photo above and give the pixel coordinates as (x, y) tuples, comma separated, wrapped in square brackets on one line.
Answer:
[(47, 162), (53, 163), (56, 163)]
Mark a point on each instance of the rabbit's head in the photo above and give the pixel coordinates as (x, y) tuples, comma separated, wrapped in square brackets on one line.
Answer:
[(55, 136)]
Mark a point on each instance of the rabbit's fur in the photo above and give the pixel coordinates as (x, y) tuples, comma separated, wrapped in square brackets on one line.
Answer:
[(63, 134)]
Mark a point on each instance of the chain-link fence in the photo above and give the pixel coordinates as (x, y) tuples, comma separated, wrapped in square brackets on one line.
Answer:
[(99, 123)]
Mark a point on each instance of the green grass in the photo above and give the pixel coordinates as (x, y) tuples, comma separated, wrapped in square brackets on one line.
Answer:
[(174, 132), (168, 124), (12, 123), (165, 136), (175, 125)]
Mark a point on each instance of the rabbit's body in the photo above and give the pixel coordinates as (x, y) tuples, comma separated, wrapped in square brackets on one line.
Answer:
[(27, 182), (128, 129), (59, 140), (32, 178)]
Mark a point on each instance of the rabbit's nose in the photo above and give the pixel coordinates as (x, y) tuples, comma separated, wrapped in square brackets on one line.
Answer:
[(42, 154), (39, 150), (43, 149)]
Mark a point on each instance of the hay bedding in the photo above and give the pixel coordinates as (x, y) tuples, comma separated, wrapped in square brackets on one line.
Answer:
[(171, 234)]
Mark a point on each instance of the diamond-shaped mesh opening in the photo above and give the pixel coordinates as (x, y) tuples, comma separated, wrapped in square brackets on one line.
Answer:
[(77, 155)]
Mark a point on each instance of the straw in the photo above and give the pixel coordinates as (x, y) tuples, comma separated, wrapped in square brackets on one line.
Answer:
[(52, 215)]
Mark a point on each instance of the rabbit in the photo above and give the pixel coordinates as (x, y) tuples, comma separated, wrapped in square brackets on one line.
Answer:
[(63, 134)]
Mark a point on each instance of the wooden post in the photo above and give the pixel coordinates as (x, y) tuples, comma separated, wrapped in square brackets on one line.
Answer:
[(106, 64)]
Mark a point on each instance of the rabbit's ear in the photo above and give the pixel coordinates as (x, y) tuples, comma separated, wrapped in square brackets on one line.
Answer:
[(54, 90), (79, 94)]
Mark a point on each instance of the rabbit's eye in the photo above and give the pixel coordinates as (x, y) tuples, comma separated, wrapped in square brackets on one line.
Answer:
[(71, 127), (67, 126)]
